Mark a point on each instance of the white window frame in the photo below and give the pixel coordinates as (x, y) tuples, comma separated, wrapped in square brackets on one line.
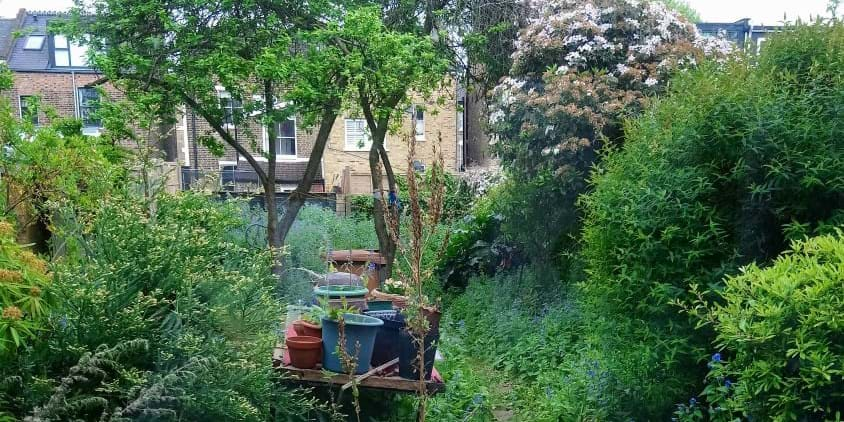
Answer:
[(367, 143), (414, 121), (265, 146), (32, 37)]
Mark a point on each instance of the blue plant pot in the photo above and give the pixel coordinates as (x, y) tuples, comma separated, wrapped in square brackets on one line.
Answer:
[(359, 329)]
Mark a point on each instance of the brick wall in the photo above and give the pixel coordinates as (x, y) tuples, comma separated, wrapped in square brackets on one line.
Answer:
[(56, 90), (251, 135), (439, 119)]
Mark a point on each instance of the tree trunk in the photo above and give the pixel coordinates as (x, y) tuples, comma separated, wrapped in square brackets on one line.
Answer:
[(387, 246), (297, 197), (270, 203)]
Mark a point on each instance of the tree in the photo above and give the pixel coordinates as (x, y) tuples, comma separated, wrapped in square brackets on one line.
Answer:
[(256, 52), (385, 67)]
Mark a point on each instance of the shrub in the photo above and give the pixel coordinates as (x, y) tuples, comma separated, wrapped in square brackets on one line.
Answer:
[(457, 200), (25, 292), (715, 176), (165, 312), (579, 68), (779, 340)]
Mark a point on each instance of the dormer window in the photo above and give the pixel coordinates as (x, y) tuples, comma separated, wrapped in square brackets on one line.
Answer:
[(34, 42), (68, 54)]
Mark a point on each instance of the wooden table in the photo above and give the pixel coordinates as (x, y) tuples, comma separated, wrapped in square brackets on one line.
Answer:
[(374, 379)]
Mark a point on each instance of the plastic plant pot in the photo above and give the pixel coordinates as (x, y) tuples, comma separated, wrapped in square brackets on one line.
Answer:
[(388, 338), (339, 291), (409, 354), (359, 330), (305, 351), (380, 305)]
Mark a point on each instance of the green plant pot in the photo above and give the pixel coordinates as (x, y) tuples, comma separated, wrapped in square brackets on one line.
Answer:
[(359, 330), (339, 291)]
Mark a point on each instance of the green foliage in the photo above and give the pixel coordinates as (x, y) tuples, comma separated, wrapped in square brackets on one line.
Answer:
[(173, 277), (715, 176), (779, 338), (25, 293), (457, 200)]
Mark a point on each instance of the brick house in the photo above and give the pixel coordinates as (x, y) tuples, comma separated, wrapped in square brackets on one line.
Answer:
[(54, 70), (346, 158)]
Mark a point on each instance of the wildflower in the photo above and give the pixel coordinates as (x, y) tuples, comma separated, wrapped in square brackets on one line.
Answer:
[(6, 229), (716, 357), (549, 392), (477, 399), (32, 261), (35, 291), (10, 276), (651, 82), (13, 313), (728, 383), (692, 401)]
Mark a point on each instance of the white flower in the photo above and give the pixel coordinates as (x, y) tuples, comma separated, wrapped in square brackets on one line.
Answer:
[(561, 70), (651, 82)]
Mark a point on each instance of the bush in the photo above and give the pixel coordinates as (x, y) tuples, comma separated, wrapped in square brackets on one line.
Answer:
[(165, 314), (715, 176), (25, 292), (780, 342), (457, 200)]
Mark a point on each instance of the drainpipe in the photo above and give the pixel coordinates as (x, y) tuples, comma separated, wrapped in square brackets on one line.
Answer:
[(195, 146), (75, 94)]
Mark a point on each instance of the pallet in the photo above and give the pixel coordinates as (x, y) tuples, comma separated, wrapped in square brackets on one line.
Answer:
[(374, 379)]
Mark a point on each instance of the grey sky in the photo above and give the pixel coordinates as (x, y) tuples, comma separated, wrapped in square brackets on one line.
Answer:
[(760, 11)]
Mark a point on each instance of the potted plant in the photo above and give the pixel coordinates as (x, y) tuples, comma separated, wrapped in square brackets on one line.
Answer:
[(357, 331), (305, 351), (311, 323)]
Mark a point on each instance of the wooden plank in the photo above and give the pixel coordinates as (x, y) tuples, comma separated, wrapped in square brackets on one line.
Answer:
[(369, 373)]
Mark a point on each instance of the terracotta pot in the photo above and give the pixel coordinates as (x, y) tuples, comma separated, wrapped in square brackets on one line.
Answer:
[(311, 330), (305, 352)]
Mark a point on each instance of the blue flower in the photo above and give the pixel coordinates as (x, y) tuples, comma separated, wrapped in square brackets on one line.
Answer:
[(692, 401), (477, 399), (716, 357), (548, 392), (728, 383)]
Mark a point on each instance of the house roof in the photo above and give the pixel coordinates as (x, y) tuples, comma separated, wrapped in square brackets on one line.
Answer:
[(36, 23)]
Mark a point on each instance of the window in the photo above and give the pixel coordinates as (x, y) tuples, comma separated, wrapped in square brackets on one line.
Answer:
[(232, 108), (29, 108), (89, 101), (34, 42), (68, 54), (419, 122), (461, 112), (285, 135), (357, 135), (759, 42)]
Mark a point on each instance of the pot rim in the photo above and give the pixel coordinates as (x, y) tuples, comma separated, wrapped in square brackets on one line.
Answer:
[(303, 342), (364, 321)]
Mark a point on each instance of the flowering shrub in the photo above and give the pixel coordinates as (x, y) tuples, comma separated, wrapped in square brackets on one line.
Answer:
[(24, 291), (779, 329), (579, 66)]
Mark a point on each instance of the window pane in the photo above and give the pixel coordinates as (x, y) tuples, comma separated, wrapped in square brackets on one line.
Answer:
[(285, 146), (62, 58), (59, 41), (34, 42), (89, 100), (29, 108), (420, 123), (78, 55), (286, 128), (357, 137)]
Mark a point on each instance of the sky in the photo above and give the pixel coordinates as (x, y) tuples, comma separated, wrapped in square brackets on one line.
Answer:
[(769, 12)]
